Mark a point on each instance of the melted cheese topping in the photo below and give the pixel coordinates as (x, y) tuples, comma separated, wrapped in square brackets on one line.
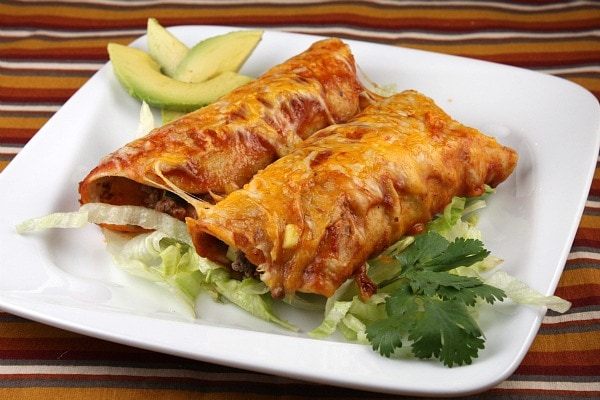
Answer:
[(311, 219), (217, 149)]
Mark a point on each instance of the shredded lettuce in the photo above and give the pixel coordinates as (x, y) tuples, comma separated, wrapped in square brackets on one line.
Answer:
[(521, 293), (252, 296), (330, 323), (158, 258), (76, 219), (165, 256), (101, 213), (146, 122)]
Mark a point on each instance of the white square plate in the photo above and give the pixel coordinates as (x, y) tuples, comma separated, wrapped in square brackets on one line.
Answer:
[(65, 278)]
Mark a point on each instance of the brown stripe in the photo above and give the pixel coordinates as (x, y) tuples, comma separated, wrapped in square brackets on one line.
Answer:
[(16, 136), (47, 50), (525, 53), (587, 237), (49, 95), (580, 295), (587, 358), (564, 372)]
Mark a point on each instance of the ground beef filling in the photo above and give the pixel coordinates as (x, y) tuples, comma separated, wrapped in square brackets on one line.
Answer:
[(243, 266), (168, 203)]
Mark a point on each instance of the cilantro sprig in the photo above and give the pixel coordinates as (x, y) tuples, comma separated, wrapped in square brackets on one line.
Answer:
[(429, 306)]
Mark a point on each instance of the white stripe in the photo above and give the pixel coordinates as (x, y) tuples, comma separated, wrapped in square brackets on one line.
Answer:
[(9, 150), (583, 254), (68, 65), (551, 385), (23, 33), (592, 204), (588, 69), (395, 35), (524, 7), (445, 37), (582, 316), (29, 108)]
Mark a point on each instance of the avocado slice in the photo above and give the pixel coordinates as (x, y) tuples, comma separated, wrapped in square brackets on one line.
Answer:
[(140, 75), (217, 54), (164, 47)]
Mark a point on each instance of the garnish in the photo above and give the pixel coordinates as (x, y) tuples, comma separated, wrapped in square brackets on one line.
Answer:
[(429, 306)]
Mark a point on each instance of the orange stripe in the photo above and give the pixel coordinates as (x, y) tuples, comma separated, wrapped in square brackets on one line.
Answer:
[(580, 276), (567, 342), (590, 221), (58, 44), (41, 82), (34, 123)]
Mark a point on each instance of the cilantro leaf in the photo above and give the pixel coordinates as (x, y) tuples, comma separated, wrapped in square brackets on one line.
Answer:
[(385, 335), (469, 294), (428, 306), (446, 331), (431, 251), (453, 287), (401, 303), (460, 253), (425, 247)]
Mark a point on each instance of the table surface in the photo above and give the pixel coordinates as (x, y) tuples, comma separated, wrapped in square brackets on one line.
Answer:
[(48, 49)]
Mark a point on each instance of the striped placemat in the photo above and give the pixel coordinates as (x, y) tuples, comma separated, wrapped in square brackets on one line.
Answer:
[(48, 49)]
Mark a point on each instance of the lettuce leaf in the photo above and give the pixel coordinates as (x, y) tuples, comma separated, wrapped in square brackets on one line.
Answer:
[(165, 256)]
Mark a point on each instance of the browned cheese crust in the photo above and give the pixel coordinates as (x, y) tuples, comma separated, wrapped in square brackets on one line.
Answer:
[(218, 148), (311, 220)]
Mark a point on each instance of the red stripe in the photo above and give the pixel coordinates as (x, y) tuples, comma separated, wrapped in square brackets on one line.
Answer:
[(16, 136), (49, 53), (540, 59), (46, 95), (81, 24), (584, 363), (558, 370)]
